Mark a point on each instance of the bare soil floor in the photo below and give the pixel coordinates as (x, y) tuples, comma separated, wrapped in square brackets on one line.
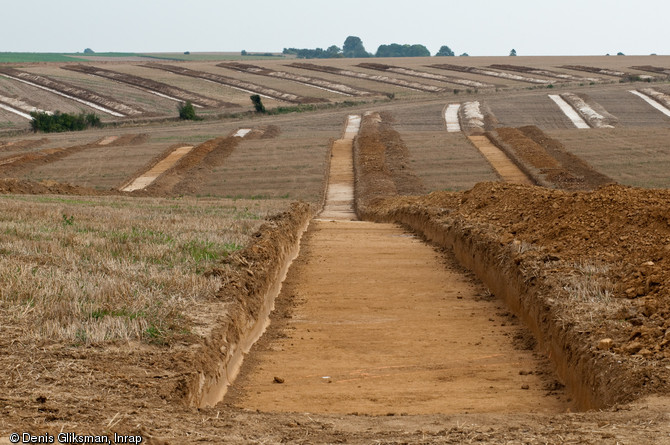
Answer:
[(402, 330)]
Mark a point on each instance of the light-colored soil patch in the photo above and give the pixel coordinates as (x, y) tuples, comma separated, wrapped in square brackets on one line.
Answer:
[(160, 168), (425, 75), (569, 112), (19, 107), (400, 333), (507, 170), (491, 73), (653, 102), (242, 132), (451, 118), (360, 75), (587, 111), (545, 72), (473, 118)]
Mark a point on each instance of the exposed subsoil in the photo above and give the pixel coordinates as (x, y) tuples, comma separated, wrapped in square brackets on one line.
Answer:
[(314, 81), (239, 84), (545, 159), (359, 75), (543, 72), (425, 75), (74, 91), (483, 72), (151, 85)]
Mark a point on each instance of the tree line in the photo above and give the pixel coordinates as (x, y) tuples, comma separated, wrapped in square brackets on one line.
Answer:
[(353, 48)]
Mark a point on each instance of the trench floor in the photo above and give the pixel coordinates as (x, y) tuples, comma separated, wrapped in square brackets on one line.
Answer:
[(372, 320)]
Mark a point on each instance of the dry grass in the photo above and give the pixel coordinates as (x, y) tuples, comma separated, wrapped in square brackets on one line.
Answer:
[(102, 269)]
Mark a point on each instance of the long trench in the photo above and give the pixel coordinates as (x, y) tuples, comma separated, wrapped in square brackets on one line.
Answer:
[(372, 320)]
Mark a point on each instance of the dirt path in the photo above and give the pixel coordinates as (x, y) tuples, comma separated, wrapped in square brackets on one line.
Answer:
[(507, 170), (372, 320), (152, 174)]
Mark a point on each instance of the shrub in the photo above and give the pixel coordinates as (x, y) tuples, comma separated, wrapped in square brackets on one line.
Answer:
[(445, 51), (59, 122), (258, 104), (187, 112)]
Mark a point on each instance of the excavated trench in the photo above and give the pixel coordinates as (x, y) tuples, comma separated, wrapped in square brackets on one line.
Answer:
[(372, 320)]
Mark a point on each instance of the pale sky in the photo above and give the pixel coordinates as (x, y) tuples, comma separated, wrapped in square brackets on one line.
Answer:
[(480, 28)]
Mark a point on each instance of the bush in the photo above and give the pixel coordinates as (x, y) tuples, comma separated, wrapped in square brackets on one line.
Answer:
[(258, 104), (60, 122), (187, 112), (445, 51)]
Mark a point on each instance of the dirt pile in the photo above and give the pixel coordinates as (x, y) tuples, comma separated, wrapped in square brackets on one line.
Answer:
[(597, 261), (546, 160)]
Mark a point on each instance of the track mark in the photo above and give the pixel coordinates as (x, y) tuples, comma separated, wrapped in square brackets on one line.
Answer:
[(505, 168), (569, 112), (451, 118), (161, 167)]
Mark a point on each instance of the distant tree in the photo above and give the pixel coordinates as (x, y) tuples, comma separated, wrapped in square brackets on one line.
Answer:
[(445, 51), (258, 103), (465, 55), (89, 51), (396, 50), (334, 51), (187, 53), (353, 47), (243, 52), (620, 54), (513, 52)]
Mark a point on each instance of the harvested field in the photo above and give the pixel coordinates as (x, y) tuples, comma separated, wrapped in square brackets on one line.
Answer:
[(630, 156), (609, 72), (425, 75), (357, 74), (516, 110), (570, 112), (305, 80), (652, 69), (159, 88), (19, 107), (105, 104), (659, 96), (653, 102), (237, 84), (592, 112), (154, 172), (630, 111), (545, 73), (490, 73)]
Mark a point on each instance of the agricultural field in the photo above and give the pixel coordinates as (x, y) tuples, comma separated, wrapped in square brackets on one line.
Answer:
[(403, 250)]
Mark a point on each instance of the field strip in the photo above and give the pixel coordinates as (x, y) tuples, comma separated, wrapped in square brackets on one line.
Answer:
[(358, 75), (451, 118), (500, 162), (543, 72), (607, 72), (237, 84), (483, 72), (158, 88), (339, 205), (569, 111), (314, 82), (161, 167), (652, 102), (425, 75), (19, 107), (591, 116), (653, 69), (87, 97), (472, 116)]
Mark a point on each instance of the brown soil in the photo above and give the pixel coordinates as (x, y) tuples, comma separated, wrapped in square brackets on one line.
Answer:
[(425, 75), (24, 187), (235, 83), (25, 144), (314, 81), (151, 85), (539, 72), (482, 72), (546, 160), (359, 75), (652, 69), (71, 90), (404, 328)]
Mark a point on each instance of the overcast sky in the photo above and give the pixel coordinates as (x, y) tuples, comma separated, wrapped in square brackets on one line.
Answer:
[(480, 28)]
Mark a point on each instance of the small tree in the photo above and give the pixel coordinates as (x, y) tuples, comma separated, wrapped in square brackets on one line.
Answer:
[(89, 51), (445, 51), (513, 52), (465, 55), (258, 104), (620, 54), (187, 111), (243, 52)]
